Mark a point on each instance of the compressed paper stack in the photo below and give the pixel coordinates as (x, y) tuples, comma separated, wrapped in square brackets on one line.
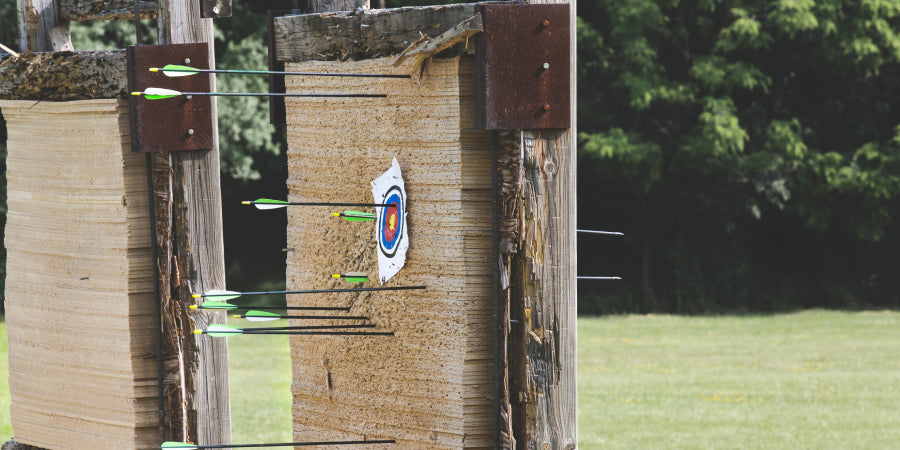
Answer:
[(432, 384), (79, 285)]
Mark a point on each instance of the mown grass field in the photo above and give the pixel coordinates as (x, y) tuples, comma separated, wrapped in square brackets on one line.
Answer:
[(813, 379)]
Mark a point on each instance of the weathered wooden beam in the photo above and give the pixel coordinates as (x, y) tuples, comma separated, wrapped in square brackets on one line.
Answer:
[(64, 76), (325, 6), (362, 35), (543, 297), (190, 259), (82, 10), (41, 29)]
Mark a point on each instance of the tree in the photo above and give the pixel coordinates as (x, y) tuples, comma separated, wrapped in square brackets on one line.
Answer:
[(712, 127)]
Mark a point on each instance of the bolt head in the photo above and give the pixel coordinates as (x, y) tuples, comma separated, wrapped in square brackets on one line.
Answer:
[(545, 23)]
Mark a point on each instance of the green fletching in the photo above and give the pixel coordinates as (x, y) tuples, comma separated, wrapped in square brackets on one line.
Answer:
[(173, 444), (258, 316), (174, 70), (270, 201), (357, 216), (356, 279), (217, 305), (157, 97), (223, 331)]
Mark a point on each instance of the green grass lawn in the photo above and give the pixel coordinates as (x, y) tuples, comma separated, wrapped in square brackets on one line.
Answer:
[(814, 379)]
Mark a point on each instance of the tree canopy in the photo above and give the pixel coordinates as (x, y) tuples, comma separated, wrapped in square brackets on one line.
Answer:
[(750, 148)]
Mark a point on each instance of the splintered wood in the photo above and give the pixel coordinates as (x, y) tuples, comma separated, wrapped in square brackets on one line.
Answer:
[(432, 385), (79, 286)]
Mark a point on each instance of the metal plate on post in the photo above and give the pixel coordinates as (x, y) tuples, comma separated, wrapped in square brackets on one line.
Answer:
[(215, 9), (172, 124), (523, 67)]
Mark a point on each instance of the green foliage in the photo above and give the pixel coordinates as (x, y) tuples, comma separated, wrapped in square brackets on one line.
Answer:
[(720, 124)]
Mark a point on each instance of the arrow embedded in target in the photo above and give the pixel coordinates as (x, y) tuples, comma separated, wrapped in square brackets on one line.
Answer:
[(223, 295), (268, 203), (153, 93), (174, 70), (262, 316), (226, 331), (355, 216), (353, 277), (186, 446)]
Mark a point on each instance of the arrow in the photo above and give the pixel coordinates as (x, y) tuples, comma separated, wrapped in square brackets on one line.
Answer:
[(353, 277), (225, 331), (262, 316), (222, 295), (268, 203), (185, 445), (611, 233), (173, 70), (355, 216), (212, 304), (153, 93), (312, 327), (599, 278)]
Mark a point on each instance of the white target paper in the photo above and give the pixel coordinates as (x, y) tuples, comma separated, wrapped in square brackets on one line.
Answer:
[(390, 230)]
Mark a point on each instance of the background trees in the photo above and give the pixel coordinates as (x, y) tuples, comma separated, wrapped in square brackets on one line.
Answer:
[(749, 148)]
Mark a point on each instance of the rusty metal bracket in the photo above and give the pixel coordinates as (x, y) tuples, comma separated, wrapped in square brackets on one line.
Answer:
[(523, 67), (174, 124)]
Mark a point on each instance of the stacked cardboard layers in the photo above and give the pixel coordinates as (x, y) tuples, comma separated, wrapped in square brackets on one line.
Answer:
[(79, 286), (432, 384)]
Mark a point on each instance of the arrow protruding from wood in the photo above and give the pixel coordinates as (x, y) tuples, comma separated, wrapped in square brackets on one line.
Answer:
[(174, 70)]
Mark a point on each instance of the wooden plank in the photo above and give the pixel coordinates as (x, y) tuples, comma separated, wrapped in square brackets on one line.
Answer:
[(365, 34), (542, 255), (40, 27), (84, 10), (188, 212), (64, 76), (326, 6)]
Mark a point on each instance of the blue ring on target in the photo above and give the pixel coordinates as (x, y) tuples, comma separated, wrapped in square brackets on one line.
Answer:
[(389, 245)]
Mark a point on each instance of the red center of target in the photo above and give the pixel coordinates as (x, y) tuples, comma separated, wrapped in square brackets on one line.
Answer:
[(393, 222)]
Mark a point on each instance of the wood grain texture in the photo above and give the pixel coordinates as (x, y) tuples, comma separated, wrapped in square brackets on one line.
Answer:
[(84, 10), (363, 34), (193, 252), (40, 27), (544, 291), (79, 286), (64, 76), (325, 6), (432, 385)]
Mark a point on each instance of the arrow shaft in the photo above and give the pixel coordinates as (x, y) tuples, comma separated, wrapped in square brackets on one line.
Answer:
[(312, 327), (296, 444), (281, 72), (610, 233), (327, 333), (316, 291), (374, 205), (280, 94), (244, 316)]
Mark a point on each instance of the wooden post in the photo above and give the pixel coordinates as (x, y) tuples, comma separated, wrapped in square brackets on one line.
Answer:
[(188, 211), (541, 221), (324, 6), (40, 28)]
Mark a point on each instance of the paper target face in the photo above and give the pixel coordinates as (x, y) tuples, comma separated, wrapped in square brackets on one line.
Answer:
[(391, 229), (390, 222)]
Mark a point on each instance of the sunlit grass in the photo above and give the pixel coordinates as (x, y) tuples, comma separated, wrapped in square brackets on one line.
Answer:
[(815, 379), (259, 372)]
